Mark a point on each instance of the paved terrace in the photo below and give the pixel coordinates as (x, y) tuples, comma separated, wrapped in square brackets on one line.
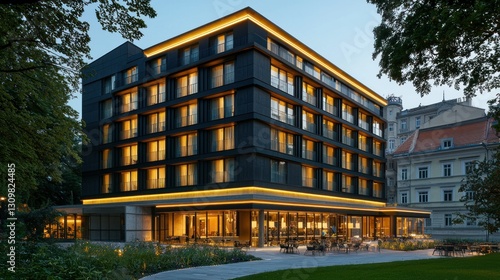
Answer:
[(273, 260)]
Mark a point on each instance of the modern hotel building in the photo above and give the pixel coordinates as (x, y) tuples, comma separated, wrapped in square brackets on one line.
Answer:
[(232, 131)]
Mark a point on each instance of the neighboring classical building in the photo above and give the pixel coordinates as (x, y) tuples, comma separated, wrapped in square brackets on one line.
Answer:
[(233, 131), (431, 164)]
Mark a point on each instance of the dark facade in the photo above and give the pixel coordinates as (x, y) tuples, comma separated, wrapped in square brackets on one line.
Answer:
[(234, 129)]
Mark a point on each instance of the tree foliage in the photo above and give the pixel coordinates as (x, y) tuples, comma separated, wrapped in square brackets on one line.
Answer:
[(483, 182), (43, 47), (428, 42)]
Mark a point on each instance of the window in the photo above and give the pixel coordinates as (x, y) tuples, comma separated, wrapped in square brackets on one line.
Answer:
[(281, 51), (447, 195), (189, 54), (348, 184), (312, 70), (187, 115), (187, 84), (403, 139), (471, 222), (129, 129), (378, 190), (156, 94), (327, 79), (129, 155), (308, 93), (108, 84), (222, 139), (446, 143), (329, 104), (223, 42), (156, 122), (223, 170), (469, 195), (186, 145), (299, 63), (404, 126), (391, 127), (391, 144), (128, 181), (107, 183), (448, 220), (187, 175), (156, 150), (404, 174), (347, 160), (377, 148), (329, 183), (222, 107), (378, 169), (308, 121), (107, 159), (363, 121), (377, 128), (363, 165), (404, 198), (469, 166), (308, 149), (417, 122), (447, 169), (308, 177), (222, 74), (329, 130), (156, 178), (363, 187), (347, 113), (329, 155), (423, 196), (107, 134), (282, 111), (278, 171), (347, 136), (423, 172), (130, 75), (282, 80), (107, 109), (282, 142), (158, 65), (129, 102)]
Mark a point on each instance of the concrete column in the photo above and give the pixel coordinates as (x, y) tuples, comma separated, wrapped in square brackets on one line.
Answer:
[(261, 229)]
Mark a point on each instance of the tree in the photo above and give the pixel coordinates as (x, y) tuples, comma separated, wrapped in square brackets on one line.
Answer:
[(482, 194), (43, 47), (454, 43)]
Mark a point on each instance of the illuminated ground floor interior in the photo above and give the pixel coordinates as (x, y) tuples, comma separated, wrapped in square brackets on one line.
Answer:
[(257, 227)]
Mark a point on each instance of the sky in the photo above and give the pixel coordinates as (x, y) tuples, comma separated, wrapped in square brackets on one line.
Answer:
[(339, 30)]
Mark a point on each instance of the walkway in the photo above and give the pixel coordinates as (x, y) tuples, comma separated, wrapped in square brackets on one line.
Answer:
[(272, 260)]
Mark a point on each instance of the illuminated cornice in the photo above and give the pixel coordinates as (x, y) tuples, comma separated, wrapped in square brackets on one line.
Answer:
[(206, 194), (250, 14)]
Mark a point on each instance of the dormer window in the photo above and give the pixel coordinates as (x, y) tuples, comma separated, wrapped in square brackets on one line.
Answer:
[(446, 143)]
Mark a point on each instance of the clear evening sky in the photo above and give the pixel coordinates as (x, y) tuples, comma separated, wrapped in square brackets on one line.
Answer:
[(340, 31)]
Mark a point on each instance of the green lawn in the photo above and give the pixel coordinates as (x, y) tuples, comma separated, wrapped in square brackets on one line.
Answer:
[(468, 268)]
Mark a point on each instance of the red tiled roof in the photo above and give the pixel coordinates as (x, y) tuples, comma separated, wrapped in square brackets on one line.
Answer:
[(473, 132)]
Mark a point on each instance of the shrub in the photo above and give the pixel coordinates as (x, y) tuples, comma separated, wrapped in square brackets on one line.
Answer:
[(407, 245)]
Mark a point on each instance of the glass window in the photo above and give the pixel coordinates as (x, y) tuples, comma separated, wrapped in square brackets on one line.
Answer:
[(278, 171), (446, 143), (222, 107), (329, 130), (363, 165), (329, 181), (107, 183), (347, 136), (108, 84), (308, 177), (378, 190), (129, 102), (187, 174), (128, 181), (417, 122), (156, 150), (187, 84), (308, 94), (129, 155), (448, 195), (222, 139), (282, 142), (107, 158), (222, 74), (329, 155), (156, 94), (131, 75), (347, 160), (308, 121), (404, 126), (404, 174), (347, 113), (156, 122), (107, 109), (377, 148), (282, 80), (308, 149), (404, 198), (329, 104), (363, 121), (363, 187), (156, 178), (363, 143), (107, 133), (448, 220), (223, 170), (129, 129), (189, 54), (348, 184), (224, 42), (423, 196), (187, 115), (377, 128), (186, 145), (158, 65), (282, 111), (423, 172), (447, 169)]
